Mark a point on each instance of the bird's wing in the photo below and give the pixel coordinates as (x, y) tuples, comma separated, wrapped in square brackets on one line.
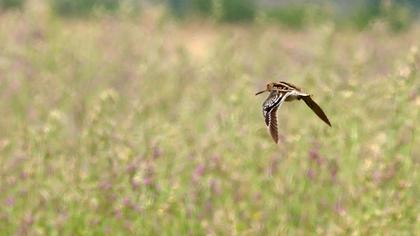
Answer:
[(272, 125), (270, 107), (274, 99), (316, 108)]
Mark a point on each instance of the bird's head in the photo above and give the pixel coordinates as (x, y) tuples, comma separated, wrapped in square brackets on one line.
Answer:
[(269, 88)]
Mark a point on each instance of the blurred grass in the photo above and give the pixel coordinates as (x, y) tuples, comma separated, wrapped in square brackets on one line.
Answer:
[(11, 4), (83, 7), (146, 127), (299, 16), (397, 15)]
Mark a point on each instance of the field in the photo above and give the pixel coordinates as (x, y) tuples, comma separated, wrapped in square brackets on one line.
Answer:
[(146, 126)]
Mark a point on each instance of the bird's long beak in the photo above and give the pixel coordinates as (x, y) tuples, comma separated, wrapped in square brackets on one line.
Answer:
[(260, 92)]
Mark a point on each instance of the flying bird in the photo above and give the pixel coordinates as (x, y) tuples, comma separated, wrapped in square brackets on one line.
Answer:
[(280, 92)]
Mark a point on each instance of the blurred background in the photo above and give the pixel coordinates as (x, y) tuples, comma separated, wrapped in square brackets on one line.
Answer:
[(359, 13), (129, 117)]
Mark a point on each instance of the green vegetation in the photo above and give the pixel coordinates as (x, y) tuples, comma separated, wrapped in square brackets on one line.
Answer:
[(360, 15), (11, 4), (238, 10), (397, 14), (298, 16), (221, 10), (145, 127), (83, 7)]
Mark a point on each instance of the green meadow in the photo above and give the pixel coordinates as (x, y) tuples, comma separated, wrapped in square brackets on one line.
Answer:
[(144, 125)]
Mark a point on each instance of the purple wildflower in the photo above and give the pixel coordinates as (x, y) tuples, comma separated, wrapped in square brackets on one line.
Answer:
[(215, 187), (127, 202), (10, 201), (118, 213), (148, 181), (131, 168), (314, 154), (333, 170), (157, 152), (199, 172), (339, 208), (310, 173), (105, 185)]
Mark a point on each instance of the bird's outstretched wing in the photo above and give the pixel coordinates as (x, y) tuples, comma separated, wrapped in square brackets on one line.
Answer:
[(272, 125), (270, 107), (316, 108)]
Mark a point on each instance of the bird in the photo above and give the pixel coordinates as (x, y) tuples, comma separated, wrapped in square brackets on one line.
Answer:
[(280, 92)]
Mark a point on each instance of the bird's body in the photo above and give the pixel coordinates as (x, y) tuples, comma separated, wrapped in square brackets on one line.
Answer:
[(285, 92)]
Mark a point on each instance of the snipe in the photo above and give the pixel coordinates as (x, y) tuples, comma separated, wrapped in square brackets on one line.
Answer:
[(279, 93)]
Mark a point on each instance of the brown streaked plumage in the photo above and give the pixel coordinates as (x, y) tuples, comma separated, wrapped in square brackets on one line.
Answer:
[(279, 93), (272, 125)]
